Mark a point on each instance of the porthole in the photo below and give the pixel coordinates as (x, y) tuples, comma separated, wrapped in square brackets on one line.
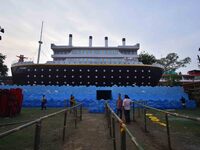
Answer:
[(148, 83), (80, 70), (149, 77), (29, 70), (119, 83), (142, 70), (142, 83), (42, 76), (104, 82), (96, 77), (149, 70), (34, 76), (96, 82), (72, 76), (57, 70), (28, 75), (42, 69), (104, 70), (80, 82), (72, 70), (88, 70), (35, 69), (35, 82), (49, 82), (57, 76), (88, 83), (142, 77), (127, 82), (127, 70), (65, 70), (111, 76), (120, 70), (135, 70), (73, 82), (88, 76), (64, 76), (49, 69), (127, 77), (104, 77), (65, 82), (112, 70), (135, 77), (57, 82), (28, 82), (42, 82), (80, 76), (96, 70), (120, 77), (111, 82), (49, 76)]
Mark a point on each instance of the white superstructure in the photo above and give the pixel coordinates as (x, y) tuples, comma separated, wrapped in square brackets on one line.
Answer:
[(122, 54)]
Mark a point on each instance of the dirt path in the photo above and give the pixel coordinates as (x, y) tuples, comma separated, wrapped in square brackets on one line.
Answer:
[(91, 134)]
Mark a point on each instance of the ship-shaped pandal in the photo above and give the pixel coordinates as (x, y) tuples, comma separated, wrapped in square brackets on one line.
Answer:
[(88, 65)]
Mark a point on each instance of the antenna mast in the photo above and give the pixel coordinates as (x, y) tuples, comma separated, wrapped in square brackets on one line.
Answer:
[(40, 44)]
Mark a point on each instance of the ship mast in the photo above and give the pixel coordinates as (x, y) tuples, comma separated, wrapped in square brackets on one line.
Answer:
[(40, 44)]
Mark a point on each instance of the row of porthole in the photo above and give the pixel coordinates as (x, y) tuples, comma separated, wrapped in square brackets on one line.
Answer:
[(87, 76), (35, 82), (88, 70)]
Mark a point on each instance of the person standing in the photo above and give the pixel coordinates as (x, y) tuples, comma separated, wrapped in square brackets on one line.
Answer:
[(72, 101), (127, 106), (43, 103), (183, 103), (119, 106)]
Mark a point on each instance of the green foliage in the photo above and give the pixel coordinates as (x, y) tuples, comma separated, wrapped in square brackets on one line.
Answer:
[(3, 68), (146, 58), (172, 79), (171, 62)]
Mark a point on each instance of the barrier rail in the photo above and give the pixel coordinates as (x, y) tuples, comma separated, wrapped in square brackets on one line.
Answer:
[(145, 108), (38, 123), (111, 116)]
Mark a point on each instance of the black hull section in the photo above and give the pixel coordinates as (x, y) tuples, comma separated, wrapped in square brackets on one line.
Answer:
[(98, 75)]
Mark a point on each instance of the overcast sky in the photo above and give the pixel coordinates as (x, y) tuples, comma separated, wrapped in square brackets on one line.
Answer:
[(160, 26)]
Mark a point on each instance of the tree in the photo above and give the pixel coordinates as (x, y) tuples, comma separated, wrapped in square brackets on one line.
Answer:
[(3, 68), (146, 58), (171, 62)]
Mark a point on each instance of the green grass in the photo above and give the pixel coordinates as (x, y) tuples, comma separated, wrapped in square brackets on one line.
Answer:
[(181, 127), (51, 131)]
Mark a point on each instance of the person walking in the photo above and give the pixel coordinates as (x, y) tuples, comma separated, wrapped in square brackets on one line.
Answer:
[(127, 106), (43, 103), (119, 106)]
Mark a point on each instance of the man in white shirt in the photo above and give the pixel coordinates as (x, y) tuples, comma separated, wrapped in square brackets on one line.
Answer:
[(127, 107)]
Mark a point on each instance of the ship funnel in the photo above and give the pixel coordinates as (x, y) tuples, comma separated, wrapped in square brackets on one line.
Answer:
[(90, 41), (70, 39), (123, 42), (106, 41)]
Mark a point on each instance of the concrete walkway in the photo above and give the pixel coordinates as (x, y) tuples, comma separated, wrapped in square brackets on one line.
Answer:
[(92, 133)]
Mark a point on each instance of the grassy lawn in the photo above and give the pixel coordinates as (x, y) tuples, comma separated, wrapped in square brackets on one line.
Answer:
[(51, 131), (183, 132)]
